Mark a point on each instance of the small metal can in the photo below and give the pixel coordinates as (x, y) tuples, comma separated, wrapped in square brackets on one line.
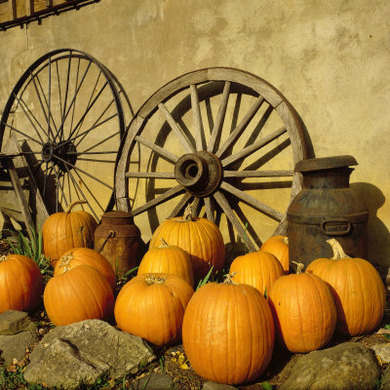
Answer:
[(118, 239)]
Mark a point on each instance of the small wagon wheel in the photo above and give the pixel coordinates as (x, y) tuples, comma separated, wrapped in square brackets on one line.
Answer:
[(68, 108), (221, 138)]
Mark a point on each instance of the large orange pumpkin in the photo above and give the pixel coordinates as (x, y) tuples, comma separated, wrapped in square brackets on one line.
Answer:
[(66, 230), (228, 333), (86, 256), (259, 269), (152, 306), (304, 311), (21, 283), (357, 288), (169, 259), (78, 294), (278, 246), (199, 237)]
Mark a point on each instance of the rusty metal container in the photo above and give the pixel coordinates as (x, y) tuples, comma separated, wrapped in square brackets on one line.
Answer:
[(326, 208), (118, 239)]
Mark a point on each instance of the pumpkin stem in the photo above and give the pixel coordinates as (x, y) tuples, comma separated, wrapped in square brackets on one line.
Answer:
[(65, 261), (300, 267), (228, 278), (76, 202), (155, 279), (188, 213), (338, 251), (3, 258), (163, 243)]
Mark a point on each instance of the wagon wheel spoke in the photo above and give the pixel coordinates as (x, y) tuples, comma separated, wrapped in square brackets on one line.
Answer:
[(252, 148), (217, 129), (241, 127), (209, 208), (173, 192), (262, 173), (68, 107), (180, 205), (160, 151), (224, 204), (179, 132)]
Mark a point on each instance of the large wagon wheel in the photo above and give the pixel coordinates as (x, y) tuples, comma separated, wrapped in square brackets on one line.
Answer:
[(221, 138), (68, 108)]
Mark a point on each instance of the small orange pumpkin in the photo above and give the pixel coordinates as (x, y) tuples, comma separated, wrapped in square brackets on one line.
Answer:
[(304, 311), (278, 246), (200, 237), (152, 306), (357, 289), (169, 259), (259, 269), (85, 256), (66, 230), (228, 332), (21, 283), (78, 294)]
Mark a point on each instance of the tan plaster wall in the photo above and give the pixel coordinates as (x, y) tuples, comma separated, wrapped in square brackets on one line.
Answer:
[(330, 59)]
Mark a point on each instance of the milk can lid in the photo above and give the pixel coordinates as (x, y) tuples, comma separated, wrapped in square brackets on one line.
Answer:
[(117, 215), (316, 164)]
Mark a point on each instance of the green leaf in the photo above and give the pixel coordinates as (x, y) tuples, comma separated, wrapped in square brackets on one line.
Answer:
[(266, 386), (203, 281)]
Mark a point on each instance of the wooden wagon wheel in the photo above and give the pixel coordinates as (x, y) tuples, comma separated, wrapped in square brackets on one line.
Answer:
[(221, 138), (69, 109)]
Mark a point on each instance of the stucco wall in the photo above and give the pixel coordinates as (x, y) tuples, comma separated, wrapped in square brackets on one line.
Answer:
[(330, 59)]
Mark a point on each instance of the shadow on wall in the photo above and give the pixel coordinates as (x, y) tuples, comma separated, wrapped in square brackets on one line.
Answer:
[(378, 234)]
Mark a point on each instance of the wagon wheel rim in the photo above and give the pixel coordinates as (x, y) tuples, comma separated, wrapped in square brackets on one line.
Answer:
[(68, 108), (210, 168)]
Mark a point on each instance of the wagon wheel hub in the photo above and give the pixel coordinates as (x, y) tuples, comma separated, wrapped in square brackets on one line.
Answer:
[(200, 173), (63, 155)]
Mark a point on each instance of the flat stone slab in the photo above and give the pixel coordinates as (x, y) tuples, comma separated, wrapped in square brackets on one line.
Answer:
[(346, 366), (13, 322), (84, 352), (13, 346)]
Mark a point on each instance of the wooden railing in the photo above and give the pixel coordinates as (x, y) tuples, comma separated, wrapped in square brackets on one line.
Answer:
[(20, 12)]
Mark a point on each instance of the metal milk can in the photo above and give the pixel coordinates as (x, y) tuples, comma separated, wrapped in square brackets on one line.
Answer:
[(118, 239), (326, 208)]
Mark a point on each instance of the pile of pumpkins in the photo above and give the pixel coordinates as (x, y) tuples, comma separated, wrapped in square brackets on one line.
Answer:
[(228, 329)]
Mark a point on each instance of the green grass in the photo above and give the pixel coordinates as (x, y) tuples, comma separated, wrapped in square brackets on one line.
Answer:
[(32, 248)]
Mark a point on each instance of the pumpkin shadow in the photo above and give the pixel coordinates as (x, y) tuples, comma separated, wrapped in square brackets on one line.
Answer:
[(378, 236)]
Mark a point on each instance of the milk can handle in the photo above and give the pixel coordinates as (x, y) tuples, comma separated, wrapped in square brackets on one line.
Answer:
[(335, 232), (110, 234)]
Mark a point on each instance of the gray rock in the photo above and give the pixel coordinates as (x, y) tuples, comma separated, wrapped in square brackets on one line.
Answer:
[(217, 386), (154, 381), (348, 366), (83, 352), (14, 346), (13, 322), (382, 351)]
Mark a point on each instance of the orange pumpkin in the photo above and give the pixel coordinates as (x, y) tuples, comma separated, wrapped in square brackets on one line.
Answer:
[(199, 237), (357, 288), (78, 294), (169, 259), (278, 246), (259, 269), (304, 311), (152, 306), (86, 256), (228, 333), (66, 230), (21, 283)]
